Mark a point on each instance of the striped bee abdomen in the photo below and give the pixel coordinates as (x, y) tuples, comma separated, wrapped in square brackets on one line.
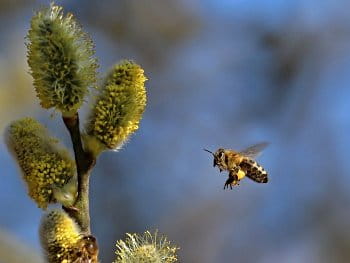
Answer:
[(254, 170)]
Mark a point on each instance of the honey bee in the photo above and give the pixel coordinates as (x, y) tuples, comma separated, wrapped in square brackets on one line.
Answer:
[(240, 164), (86, 250)]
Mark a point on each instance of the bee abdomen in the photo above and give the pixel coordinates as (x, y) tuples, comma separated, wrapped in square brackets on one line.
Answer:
[(254, 170)]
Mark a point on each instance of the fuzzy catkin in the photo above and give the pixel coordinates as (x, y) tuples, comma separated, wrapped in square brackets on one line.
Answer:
[(146, 248), (60, 57), (44, 163), (118, 108), (59, 236)]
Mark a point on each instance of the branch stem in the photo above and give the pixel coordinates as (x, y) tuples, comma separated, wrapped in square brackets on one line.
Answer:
[(85, 162)]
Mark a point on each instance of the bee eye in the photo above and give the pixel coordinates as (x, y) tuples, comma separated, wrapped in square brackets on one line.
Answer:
[(221, 155)]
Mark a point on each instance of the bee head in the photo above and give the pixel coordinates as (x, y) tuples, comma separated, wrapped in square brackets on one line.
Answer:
[(90, 244), (219, 157)]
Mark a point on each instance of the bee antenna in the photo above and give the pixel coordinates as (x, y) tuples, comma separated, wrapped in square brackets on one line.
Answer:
[(208, 151)]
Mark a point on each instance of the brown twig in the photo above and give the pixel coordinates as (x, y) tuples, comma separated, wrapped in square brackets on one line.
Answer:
[(85, 162)]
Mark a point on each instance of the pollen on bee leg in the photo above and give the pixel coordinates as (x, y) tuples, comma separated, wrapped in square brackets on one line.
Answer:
[(240, 174)]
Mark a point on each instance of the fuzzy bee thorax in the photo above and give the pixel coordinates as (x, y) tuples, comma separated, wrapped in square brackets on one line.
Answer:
[(226, 159)]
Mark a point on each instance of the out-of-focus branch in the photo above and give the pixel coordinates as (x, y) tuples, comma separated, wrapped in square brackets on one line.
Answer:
[(14, 251)]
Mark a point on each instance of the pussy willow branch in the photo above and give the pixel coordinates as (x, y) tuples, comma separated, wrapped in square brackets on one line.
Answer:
[(85, 162)]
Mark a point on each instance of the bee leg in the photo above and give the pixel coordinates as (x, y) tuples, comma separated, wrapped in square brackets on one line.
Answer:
[(229, 182), (232, 179)]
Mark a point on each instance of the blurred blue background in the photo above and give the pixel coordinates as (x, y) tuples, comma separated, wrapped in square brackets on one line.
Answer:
[(221, 74)]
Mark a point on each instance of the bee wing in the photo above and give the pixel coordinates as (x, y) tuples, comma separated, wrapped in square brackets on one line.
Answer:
[(254, 150)]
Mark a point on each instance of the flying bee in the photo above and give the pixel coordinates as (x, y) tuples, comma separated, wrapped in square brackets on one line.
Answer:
[(240, 164), (86, 250)]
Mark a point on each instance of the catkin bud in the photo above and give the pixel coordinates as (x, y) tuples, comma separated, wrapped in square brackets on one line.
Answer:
[(147, 248), (44, 163), (118, 108), (60, 57), (59, 236)]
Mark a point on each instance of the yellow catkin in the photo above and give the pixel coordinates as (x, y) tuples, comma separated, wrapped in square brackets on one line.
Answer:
[(60, 57), (148, 248), (118, 108), (44, 163), (59, 236)]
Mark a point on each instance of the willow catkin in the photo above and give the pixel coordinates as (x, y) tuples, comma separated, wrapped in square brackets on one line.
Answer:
[(44, 163), (60, 57), (118, 108)]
